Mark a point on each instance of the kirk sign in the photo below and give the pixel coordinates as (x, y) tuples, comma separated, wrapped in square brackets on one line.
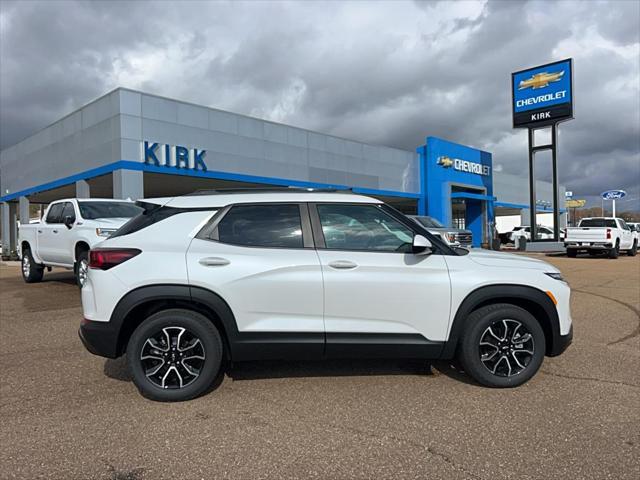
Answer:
[(173, 156), (542, 95)]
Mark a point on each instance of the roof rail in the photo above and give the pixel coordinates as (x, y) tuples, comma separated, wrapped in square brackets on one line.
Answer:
[(231, 190)]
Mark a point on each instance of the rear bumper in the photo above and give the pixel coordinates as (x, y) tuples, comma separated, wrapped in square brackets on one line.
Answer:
[(588, 245), (561, 343), (100, 338)]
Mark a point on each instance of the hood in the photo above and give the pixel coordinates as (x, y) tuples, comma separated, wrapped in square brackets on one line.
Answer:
[(491, 258), (110, 222)]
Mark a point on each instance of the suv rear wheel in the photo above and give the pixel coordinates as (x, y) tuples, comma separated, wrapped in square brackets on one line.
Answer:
[(175, 355), (31, 271), (503, 346)]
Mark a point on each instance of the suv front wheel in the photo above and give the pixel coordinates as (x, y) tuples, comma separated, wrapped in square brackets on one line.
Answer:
[(175, 355), (503, 346)]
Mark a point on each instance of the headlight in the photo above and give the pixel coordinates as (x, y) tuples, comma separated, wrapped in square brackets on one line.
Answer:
[(556, 276), (451, 237), (105, 232)]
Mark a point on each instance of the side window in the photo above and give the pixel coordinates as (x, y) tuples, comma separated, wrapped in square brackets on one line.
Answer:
[(363, 227), (262, 226), (68, 211), (624, 225), (55, 213)]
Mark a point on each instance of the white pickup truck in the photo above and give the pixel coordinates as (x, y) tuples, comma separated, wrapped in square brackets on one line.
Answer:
[(601, 234), (70, 228)]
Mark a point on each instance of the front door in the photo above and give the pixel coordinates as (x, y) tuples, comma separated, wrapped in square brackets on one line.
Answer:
[(376, 290)]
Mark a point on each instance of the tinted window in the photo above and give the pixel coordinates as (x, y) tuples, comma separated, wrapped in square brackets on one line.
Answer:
[(93, 210), (429, 222), (598, 222), (55, 213), (149, 213), (262, 226), (68, 211), (363, 227)]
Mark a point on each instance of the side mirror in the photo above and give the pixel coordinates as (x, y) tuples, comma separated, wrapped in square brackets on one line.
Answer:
[(68, 221), (422, 245)]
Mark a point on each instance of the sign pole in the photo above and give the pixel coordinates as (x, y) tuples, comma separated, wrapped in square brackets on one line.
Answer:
[(614, 208), (532, 188), (556, 206)]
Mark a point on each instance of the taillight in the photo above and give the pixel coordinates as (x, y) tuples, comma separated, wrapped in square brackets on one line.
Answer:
[(105, 258), (608, 234)]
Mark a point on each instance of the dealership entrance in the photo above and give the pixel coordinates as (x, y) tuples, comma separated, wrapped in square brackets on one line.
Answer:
[(457, 187)]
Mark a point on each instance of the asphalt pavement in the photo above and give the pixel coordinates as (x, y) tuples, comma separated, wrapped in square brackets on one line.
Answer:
[(66, 414)]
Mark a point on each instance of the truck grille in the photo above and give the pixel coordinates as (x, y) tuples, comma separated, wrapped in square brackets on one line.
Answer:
[(464, 238)]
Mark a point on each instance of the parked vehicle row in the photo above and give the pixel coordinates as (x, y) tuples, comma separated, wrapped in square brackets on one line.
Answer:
[(69, 229), (601, 235), (194, 282)]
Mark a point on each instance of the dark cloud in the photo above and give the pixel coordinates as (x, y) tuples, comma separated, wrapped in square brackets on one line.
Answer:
[(382, 72)]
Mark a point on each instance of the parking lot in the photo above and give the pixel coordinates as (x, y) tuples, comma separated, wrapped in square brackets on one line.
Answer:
[(67, 414)]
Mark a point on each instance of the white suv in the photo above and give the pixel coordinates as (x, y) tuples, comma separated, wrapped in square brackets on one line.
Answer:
[(198, 281)]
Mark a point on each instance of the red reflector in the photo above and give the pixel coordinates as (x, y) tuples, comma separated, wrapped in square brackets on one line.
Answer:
[(105, 258)]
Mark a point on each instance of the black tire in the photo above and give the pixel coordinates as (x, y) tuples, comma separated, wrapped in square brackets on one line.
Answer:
[(634, 249), (82, 262), (476, 330), (571, 253), (198, 327), (31, 271), (615, 251)]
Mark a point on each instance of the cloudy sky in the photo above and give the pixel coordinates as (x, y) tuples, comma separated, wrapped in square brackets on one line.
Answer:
[(386, 73)]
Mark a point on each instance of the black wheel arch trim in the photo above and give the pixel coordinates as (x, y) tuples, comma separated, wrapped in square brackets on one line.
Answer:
[(515, 294)]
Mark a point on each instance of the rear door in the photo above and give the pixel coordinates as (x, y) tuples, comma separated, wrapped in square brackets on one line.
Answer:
[(48, 233), (260, 259), (379, 296)]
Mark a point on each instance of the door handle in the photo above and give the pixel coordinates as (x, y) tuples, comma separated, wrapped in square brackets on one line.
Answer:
[(214, 262), (39, 231), (55, 231), (342, 264)]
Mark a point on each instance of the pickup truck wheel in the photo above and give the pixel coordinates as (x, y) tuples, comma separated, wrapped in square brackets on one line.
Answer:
[(31, 271), (615, 251), (571, 253), (81, 268), (175, 355), (633, 250), (503, 346)]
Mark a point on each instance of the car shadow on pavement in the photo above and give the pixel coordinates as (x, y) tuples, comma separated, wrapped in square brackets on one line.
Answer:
[(60, 277), (277, 369)]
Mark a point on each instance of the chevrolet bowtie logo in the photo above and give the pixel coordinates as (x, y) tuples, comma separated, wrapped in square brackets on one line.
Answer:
[(541, 80), (446, 162)]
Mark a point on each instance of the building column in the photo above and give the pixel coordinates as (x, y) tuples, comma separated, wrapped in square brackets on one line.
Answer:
[(13, 229), (128, 184), (83, 190), (23, 210), (4, 229)]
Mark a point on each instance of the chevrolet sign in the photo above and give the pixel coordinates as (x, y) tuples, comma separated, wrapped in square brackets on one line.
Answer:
[(464, 165), (542, 95)]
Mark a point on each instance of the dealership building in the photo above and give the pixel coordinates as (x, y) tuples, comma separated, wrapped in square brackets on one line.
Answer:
[(129, 144)]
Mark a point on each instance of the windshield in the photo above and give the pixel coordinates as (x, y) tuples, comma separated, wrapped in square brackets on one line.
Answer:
[(93, 210), (429, 222), (598, 222)]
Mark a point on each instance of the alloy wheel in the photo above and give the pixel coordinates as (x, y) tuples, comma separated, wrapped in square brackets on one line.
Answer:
[(172, 358), (83, 269), (26, 265), (506, 348)]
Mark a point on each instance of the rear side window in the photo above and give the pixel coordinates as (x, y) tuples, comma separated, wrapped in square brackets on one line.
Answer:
[(151, 213), (262, 226), (55, 213)]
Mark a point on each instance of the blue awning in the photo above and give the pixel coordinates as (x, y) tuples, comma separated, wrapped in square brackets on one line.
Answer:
[(475, 196)]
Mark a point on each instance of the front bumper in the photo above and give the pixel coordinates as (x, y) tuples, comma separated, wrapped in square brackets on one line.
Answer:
[(100, 338), (561, 343)]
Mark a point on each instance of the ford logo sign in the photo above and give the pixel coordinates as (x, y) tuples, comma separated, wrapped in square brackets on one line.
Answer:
[(613, 194)]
